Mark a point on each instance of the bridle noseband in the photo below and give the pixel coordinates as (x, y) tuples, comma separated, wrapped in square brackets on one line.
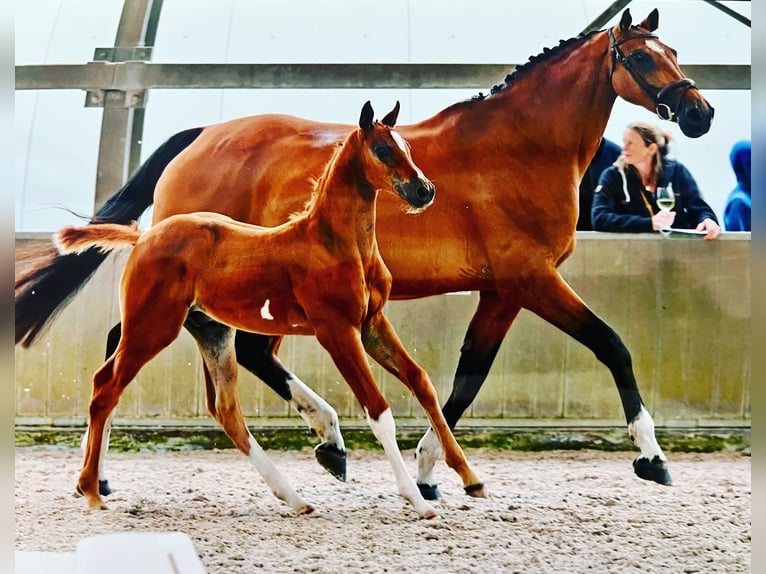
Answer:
[(663, 109)]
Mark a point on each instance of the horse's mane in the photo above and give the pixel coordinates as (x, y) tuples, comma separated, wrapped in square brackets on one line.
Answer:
[(532, 62)]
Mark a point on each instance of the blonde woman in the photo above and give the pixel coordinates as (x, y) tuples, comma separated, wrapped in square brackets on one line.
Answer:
[(625, 199)]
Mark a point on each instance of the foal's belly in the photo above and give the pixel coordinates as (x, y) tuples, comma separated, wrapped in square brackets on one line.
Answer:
[(266, 315)]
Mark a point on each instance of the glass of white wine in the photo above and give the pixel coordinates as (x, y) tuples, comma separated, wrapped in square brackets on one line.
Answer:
[(666, 200)]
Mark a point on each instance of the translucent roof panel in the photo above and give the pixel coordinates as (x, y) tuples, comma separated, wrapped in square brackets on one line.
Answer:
[(57, 138), (55, 169), (64, 31)]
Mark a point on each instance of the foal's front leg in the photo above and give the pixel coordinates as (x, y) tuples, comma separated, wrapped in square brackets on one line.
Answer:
[(383, 345), (344, 344)]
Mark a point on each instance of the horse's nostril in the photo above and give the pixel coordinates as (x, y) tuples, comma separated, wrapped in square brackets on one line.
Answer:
[(425, 193)]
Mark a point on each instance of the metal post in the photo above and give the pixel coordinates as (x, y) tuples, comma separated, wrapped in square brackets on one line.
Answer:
[(123, 118)]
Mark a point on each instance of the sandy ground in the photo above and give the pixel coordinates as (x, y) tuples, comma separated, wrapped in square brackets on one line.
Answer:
[(576, 511)]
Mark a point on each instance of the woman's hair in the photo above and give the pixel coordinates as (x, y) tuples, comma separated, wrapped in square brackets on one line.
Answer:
[(650, 134)]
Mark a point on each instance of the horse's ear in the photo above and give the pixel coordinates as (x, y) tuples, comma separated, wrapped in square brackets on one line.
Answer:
[(365, 119), (390, 119), (652, 20), (626, 20)]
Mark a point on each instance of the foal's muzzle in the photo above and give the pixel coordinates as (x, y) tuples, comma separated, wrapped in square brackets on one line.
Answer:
[(418, 192)]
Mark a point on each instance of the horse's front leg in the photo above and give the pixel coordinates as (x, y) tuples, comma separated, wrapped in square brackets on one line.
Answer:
[(488, 327), (258, 354), (343, 342), (555, 301), (383, 345)]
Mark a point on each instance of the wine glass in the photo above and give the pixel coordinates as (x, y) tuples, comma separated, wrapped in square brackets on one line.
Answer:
[(666, 200)]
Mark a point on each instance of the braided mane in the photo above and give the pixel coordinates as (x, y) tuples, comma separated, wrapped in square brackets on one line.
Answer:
[(533, 61)]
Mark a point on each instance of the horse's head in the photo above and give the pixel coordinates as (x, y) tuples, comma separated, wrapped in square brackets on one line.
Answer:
[(644, 71), (387, 162)]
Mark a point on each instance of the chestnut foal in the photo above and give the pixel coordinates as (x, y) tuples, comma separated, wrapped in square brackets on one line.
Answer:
[(319, 273)]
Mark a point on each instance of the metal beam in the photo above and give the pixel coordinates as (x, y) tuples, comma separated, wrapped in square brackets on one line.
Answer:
[(728, 11), (138, 76), (601, 20)]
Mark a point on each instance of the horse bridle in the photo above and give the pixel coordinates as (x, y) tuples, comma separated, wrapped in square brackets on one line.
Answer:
[(663, 109)]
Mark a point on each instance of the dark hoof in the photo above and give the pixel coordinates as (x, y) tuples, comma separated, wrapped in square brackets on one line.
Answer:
[(430, 491), (103, 488), (476, 490), (656, 470), (333, 459)]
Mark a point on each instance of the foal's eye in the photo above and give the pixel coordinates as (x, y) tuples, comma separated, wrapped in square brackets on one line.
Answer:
[(641, 60), (382, 151)]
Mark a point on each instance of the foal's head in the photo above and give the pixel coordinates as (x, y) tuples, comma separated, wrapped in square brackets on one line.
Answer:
[(386, 161)]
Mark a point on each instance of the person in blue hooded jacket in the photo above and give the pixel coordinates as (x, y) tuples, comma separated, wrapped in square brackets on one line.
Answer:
[(624, 200), (736, 215)]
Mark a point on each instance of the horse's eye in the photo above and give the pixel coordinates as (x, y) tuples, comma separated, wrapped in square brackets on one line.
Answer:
[(382, 151), (641, 60)]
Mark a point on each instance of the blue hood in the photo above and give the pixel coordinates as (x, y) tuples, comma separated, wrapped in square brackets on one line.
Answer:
[(740, 163)]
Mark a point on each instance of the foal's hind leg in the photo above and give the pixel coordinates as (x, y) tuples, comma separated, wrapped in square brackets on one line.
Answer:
[(112, 340), (557, 303), (258, 354), (216, 344), (383, 344)]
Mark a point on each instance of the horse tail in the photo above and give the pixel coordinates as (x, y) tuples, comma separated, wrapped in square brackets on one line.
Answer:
[(103, 236), (49, 279)]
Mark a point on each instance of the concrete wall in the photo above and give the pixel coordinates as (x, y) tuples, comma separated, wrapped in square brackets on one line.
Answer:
[(682, 306)]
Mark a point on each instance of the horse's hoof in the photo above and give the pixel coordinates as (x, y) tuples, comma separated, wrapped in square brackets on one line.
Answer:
[(333, 459), (308, 509), (103, 488), (476, 490), (656, 470), (430, 515), (429, 491)]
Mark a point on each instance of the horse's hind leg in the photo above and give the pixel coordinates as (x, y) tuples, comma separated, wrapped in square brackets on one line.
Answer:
[(486, 331), (556, 302), (258, 354), (383, 345), (216, 344)]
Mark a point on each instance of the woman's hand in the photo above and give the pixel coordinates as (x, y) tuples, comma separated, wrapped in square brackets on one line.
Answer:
[(711, 227), (663, 220)]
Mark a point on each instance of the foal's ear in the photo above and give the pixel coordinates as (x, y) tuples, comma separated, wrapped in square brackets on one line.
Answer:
[(651, 21), (390, 119), (365, 119), (626, 20)]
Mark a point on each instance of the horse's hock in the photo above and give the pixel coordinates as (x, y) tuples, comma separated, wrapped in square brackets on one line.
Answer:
[(681, 306)]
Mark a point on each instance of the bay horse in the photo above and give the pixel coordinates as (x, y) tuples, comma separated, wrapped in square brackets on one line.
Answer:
[(320, 273), (508, 165)]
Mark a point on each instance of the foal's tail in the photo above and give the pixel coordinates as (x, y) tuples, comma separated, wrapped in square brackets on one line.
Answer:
[(48, 280), (103, 236)]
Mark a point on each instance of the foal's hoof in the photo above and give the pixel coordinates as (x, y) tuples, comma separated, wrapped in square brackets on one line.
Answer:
[(430, 491), (656, 470), (308, 509), (476, 490), (103, 488), (333, 459)]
